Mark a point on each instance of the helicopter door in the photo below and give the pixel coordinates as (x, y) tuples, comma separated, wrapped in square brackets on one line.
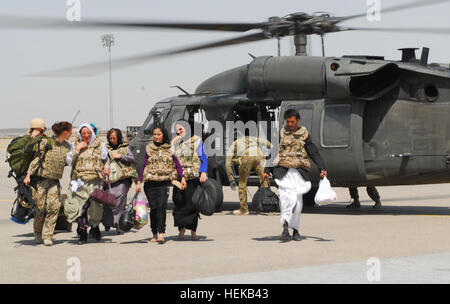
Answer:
[(341, 141), (336, 130)]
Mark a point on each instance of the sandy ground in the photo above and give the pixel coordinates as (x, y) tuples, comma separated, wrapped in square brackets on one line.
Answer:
[(414, 224)]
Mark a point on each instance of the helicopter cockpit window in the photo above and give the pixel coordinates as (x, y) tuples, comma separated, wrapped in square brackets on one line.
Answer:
[(159, 112), (336, 126)]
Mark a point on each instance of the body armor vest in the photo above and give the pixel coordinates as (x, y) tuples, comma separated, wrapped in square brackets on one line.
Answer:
[(88, 165), (160, 165), (292, 153), (54, 160), (127, 169), (186, 153)]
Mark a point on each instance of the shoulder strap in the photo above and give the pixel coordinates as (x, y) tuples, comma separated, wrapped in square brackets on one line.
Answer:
[(50, 142)]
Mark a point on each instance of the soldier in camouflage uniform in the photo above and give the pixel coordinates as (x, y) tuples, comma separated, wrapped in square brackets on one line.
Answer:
[(45, 170), (90, 162), (245, 152)]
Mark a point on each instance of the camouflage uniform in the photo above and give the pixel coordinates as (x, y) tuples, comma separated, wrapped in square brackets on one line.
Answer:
[(47, 190), (246, 152)]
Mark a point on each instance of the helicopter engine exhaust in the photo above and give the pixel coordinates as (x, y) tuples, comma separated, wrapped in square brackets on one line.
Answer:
[(336, 78), (360, 79)]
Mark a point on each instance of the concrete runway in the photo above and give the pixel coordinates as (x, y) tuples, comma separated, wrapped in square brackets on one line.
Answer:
[(409, 237)]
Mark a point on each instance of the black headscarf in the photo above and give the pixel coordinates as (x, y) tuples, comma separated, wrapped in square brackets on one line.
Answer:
[(119, 137)]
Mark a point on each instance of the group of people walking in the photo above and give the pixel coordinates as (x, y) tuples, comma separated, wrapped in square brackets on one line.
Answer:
[(290, 170), (91, 162), (181, 159)]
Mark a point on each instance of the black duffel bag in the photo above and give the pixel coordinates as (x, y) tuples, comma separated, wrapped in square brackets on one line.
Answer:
[(126, 221), (265, 200), (205, 197), (219, 192)]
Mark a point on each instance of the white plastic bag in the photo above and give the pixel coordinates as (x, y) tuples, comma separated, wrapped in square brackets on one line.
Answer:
[(325, 194)]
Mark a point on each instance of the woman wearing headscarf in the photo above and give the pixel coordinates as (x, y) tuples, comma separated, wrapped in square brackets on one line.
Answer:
[(194, 162), (121, 153), (90, 163), (161, 166)]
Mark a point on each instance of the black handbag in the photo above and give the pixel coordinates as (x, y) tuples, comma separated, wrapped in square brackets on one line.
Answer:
[(126, 220), (265, 200)]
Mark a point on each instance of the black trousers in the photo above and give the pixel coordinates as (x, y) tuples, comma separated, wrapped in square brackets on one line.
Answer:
[(158, 219), (371, 191), (157, 196), (185, 214)]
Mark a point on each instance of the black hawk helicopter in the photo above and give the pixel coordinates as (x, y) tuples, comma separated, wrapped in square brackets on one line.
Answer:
[(376, 122)]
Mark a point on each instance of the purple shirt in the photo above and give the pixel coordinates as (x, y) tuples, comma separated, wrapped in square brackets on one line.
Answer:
[(175, 160)]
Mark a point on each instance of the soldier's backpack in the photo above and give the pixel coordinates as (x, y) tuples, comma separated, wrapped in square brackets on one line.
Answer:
[(21, 152)]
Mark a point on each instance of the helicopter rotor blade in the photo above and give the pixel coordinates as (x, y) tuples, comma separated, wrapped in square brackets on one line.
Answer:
[(101, 67), (400, 7), (24, 22), (399, 30)]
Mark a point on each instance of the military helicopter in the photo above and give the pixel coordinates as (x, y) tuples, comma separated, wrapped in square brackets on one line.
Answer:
[(376, 122)]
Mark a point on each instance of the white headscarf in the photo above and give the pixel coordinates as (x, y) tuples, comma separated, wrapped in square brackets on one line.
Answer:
[(87, 125)]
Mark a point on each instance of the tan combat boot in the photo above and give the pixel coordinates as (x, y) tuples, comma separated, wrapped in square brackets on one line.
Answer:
[(48, 242), (239, 212), (38, 239)]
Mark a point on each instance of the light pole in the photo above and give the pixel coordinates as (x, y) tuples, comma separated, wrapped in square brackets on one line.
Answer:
[(108, 41)]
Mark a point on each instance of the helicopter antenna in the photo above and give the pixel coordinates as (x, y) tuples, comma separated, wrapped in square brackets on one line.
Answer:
[(181, 89), (75, 117)]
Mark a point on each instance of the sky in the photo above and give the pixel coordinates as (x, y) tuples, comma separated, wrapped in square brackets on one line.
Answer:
[(138, 88)]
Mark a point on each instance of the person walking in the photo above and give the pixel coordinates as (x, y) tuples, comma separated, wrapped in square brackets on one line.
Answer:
[(119, 153), (190, 152), (371, 191), (246, 152), (90, 162), (291, 171), (45, 170), (161, 166)]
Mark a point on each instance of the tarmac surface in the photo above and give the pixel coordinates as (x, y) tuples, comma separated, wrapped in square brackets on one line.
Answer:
[(408, 241)]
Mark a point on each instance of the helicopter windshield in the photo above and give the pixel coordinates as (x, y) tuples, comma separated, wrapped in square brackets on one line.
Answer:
[(156, 114)]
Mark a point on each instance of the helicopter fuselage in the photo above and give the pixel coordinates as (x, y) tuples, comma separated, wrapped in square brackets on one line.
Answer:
[(375, 122)]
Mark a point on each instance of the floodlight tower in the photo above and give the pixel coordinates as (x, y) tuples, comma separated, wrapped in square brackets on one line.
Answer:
[(108, 41)]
